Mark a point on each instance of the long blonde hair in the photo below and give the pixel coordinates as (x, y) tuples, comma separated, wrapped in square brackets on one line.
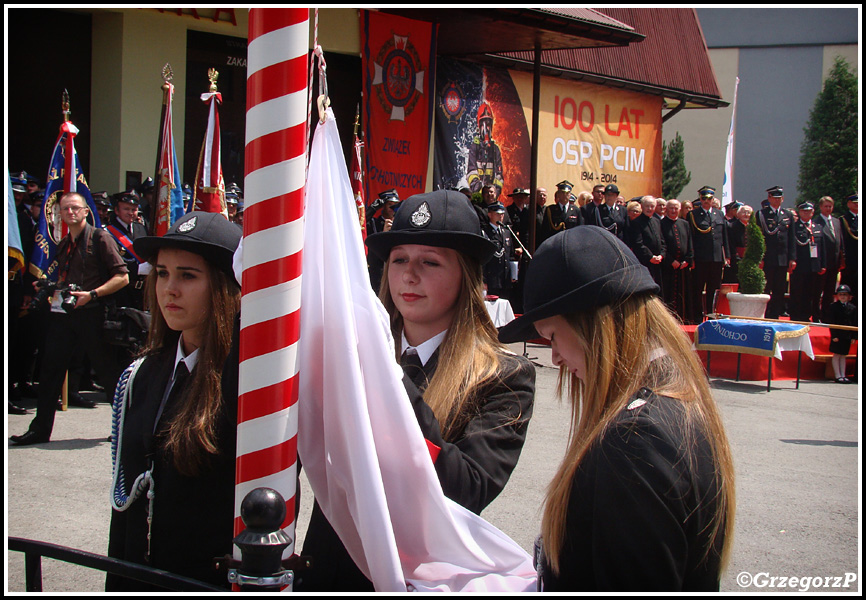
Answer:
[(192, 432), (468, 356), (618, 365)]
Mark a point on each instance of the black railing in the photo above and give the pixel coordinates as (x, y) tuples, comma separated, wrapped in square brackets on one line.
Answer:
[(34, 551), (261, 543)]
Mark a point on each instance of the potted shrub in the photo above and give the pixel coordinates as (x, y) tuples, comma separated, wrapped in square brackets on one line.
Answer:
[(750, 299)]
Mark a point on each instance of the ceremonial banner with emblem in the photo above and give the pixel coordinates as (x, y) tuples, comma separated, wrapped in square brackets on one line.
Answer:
[(169, 196), (398, 65), (64, 175)]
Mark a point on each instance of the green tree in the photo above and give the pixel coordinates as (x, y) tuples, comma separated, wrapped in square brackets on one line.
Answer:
[(674, 175), (749, 273), (828, 156)]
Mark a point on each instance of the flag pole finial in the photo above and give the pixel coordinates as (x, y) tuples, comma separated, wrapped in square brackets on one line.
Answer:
[(167, 74), (212, 75), (65, 106)]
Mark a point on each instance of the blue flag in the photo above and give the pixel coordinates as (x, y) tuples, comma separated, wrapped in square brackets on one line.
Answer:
[(64, 175)]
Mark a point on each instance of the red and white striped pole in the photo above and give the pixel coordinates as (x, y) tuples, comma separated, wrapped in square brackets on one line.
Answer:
[(276, 143)]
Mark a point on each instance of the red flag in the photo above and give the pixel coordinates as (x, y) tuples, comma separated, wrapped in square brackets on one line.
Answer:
[(209, 194), (358, 186), (168, 197), (398, 62)]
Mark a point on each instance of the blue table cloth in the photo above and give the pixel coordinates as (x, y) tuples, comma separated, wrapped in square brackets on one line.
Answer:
[(753, 337)]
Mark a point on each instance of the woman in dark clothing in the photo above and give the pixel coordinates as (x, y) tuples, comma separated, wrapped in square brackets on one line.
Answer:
[(644, 499), (175, 431), (472, 397)]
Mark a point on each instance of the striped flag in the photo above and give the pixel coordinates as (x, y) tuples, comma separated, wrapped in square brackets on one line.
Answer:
[(64, 175), (169, 196), (209, 193)]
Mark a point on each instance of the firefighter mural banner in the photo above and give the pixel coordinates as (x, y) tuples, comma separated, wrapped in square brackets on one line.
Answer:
[(589, 134), (398, 57)]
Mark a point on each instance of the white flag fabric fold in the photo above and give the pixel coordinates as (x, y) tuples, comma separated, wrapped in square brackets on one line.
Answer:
[(359, 441)]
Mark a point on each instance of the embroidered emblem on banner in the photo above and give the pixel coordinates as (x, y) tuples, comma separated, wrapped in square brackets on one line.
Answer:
[(453, 103), (52, 216), (188, 226), (398, 78), (421, 217)]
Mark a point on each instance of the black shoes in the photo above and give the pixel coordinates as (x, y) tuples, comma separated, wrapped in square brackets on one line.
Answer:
[(14, 409), (78, 401), (30, 438)]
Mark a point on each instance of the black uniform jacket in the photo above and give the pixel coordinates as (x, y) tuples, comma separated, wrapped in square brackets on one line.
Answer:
[(709, 235), (778, 235), (558, 218), (806, 238), (472, 469), (641, 507), (193, 518)]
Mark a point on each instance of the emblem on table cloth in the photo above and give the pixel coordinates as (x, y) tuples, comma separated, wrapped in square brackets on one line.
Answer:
[(188, 226), (421, 217), (398, 78), (453, 103)]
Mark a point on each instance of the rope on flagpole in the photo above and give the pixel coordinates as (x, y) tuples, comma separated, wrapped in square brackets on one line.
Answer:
[(275, 162)]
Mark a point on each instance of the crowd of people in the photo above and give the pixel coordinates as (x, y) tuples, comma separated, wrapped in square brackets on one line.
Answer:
[(123, 217), (606, 281), (689, 247)]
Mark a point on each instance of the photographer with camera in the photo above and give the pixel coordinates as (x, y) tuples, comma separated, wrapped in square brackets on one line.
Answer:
[(88, 259)]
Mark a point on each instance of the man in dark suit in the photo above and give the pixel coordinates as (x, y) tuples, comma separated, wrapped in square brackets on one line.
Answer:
[(777, 224), (646, 240), (617, 217), (562, 214), (850, 275), (832, 230), (125, 227), (809, 266), (711, 251), (679, 255)]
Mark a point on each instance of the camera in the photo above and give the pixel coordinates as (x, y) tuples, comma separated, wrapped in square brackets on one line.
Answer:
[(46, 289)]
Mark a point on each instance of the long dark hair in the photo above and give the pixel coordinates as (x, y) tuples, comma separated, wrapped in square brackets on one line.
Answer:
[(192, 431)]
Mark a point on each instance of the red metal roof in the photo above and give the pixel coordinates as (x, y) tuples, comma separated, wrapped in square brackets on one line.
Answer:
[(671, 61)]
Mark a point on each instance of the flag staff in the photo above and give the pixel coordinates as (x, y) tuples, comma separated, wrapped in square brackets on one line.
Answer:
[(274, 186), (167, 77)]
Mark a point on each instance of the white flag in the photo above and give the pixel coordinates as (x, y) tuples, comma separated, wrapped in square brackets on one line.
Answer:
[(359, 441), (728, 183)]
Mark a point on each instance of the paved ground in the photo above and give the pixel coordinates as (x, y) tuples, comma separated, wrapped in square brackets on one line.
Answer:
[(797, 455)]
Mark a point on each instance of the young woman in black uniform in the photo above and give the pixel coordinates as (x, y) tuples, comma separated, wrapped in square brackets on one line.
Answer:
[(644, 498), (471, 395), (175, 430)]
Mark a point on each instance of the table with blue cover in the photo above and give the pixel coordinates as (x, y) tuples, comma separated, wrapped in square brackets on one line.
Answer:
[(759, 338)]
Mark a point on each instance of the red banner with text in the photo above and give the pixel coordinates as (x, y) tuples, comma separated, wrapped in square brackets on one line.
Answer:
[(398, 56)]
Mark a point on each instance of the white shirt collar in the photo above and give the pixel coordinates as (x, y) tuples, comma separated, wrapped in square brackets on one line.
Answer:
[(425, 349), (189, 360)]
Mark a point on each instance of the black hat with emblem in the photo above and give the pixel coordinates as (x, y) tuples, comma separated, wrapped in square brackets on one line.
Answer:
[(560, 280), (775, 191), (441, 218), (207, 234)]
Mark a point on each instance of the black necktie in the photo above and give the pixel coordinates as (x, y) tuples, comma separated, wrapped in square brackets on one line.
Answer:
[(181, 372), (411, 363)]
